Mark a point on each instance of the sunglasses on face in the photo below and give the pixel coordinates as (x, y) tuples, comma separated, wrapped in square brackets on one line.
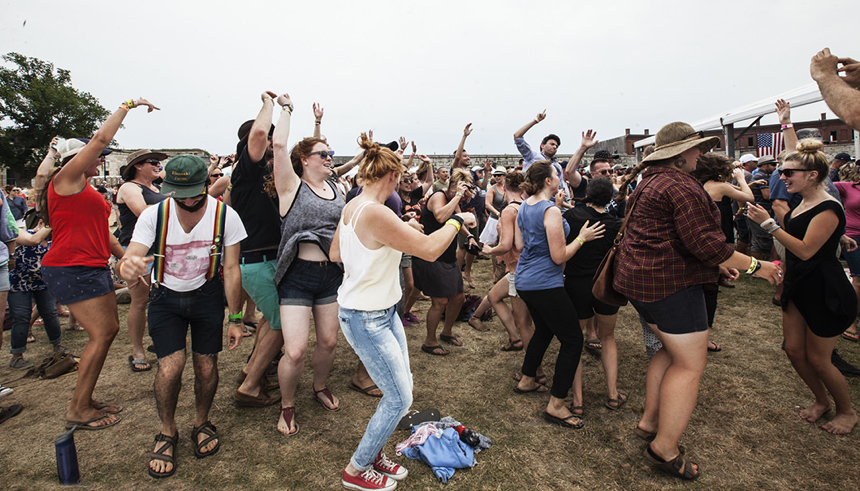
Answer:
[(216, 175), (790, 172), (152, 162), (324, 154), (604, 172)]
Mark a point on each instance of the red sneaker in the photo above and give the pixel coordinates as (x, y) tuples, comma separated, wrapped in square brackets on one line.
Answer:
[(387, 467), (369, 479)]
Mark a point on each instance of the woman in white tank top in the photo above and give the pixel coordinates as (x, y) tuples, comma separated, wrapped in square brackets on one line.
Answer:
[(369, 241)]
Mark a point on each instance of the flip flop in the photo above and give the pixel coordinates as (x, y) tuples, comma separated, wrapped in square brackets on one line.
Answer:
[(103, 407), (539, 388), (512, 346), (851, 336), (593, 344), (452, 339), (541, 380), (366, 391), (327, 395), (10, 412), (716, 347), (433, 350), (564, 422), (85, 425), (132, 362), (289, 414), (415, 419)]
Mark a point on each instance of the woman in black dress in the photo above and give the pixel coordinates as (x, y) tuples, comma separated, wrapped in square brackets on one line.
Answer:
[(818, 302)]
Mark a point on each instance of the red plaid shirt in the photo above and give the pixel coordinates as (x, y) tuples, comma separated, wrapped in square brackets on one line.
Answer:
[(673, 239)]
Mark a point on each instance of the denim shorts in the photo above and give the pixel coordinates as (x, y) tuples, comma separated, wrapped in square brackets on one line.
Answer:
[(5, 286), (853, 258), (309, 283), (73, 284), (682, 312), (170, 314)]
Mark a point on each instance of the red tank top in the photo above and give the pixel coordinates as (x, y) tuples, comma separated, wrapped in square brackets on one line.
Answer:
[(80, 229)]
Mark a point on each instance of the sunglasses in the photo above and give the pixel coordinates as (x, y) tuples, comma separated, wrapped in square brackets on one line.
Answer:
[(604, 172), (790, 172), (216, 175), (324, 154), (152, 162)]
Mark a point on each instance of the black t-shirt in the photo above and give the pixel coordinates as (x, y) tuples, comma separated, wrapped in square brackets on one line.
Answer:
[(258, 210), (588, 257), (428, 220), (413, 204), (580, 192)]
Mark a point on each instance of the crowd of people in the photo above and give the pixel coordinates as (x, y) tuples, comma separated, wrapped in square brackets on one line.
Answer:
[(277, 228)]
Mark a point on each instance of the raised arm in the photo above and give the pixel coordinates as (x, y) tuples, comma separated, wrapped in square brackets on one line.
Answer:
[(318, 115), (343, 169), (783, 111), (526, 127), (286, 180), (71, 178), (743, 194), (46, 168), (443, 212), (839, 92), (571, 172), (458, 155), (426, 170), (408, 163), (258, 138)]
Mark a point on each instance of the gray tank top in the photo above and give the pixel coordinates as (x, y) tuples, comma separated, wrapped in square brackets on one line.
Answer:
[(310, 219), (498, 202)]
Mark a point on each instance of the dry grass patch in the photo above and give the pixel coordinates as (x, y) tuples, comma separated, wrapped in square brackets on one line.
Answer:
[(745, 431)]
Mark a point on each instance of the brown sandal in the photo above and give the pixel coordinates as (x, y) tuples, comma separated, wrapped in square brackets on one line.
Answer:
[(328, 395), (673, 466), (289, 414)]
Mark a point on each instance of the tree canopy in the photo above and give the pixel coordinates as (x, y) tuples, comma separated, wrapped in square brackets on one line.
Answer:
[(38, 102)]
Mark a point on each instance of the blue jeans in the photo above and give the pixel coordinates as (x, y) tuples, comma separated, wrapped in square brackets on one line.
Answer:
[(20, 307), (378, 339)]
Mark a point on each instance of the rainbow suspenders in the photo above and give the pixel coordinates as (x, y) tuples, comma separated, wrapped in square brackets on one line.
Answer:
[(161, 241)]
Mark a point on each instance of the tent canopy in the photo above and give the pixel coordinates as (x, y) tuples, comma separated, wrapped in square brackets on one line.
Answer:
[(801, 96)]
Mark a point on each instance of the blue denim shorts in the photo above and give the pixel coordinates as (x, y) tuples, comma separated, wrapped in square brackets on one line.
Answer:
[(682, 312), (309, 283), (73, 284), (170, 314)]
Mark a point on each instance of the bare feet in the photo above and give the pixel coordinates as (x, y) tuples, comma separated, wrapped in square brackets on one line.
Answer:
[(813, 412), (477, 324), (468, 278), (842, 424)]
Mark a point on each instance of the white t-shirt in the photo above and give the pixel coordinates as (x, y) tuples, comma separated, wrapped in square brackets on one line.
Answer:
[(187, 254)]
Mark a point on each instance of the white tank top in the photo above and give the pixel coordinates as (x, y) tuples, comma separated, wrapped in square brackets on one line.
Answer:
[(370, 280)]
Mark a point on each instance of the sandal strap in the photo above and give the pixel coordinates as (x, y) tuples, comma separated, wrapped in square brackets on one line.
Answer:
[(169, 442), (207, 429)]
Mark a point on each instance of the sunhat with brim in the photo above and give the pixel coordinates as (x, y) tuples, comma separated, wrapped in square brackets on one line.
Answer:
[(499, 171), (185, 176), (676, 138), (129, 171)]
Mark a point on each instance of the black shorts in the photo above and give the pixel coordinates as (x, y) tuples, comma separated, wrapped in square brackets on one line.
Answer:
[(682, 312), (171, 312), (437, 279), (579, 290)]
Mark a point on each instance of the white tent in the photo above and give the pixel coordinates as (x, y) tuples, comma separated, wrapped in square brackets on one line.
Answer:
[(801, 96)]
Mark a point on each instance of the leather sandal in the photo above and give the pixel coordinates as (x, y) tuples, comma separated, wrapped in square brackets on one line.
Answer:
[(289, 414), (328, 395), (170, 442), (209, 430), (673, 466)]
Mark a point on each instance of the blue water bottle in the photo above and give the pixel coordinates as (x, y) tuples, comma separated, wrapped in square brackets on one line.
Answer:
[(67, 458)]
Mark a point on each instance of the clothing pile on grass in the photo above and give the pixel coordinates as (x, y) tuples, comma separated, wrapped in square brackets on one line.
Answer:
[(438, 445)]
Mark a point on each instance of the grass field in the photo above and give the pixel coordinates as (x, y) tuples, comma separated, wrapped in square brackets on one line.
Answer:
[(745, 432)]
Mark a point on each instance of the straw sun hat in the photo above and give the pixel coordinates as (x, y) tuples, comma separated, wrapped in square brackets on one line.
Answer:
[(676, 138)]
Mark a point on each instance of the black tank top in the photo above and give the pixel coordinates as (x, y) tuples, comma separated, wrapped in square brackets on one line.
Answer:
[(127, 218)]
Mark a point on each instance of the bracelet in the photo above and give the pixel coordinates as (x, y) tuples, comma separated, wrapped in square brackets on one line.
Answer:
[(317, 123), (460, 195), (455, 223), (235, 322), (773, 229), (123, 106), (754, 265), (119, 269), (287, 108), (767, 223), (786, 126), (129, 103), (233, 317), (581, 242)]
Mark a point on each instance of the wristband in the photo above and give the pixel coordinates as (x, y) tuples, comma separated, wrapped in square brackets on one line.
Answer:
[(786, 126), (317, 123), (455, 223), (773, 229), (119, 269), (287, 108), (234, 317), (235, 322), (129, 103), (123, 106), (767, 223), (754, 265), (581, 242)]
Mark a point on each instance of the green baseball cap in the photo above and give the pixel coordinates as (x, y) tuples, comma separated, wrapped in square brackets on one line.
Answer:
[(185, 176)]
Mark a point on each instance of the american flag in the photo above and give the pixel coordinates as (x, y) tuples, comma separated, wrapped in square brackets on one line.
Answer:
[(769, 144)]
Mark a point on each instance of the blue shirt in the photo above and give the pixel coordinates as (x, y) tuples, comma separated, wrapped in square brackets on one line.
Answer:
[(530, 157), (536, 269)]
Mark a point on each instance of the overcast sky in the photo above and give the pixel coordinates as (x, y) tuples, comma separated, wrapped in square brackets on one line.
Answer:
[(424, 70)]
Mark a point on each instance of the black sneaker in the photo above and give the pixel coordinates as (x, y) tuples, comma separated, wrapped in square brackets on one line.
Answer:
[(846, 368)]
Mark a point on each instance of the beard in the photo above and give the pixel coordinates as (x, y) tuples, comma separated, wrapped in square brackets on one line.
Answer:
[(195, 207)]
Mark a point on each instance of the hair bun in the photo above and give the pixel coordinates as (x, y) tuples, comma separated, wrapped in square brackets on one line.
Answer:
[(809, 145)]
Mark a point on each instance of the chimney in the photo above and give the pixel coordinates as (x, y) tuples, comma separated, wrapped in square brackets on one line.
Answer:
[(626, 131), (646, 131)]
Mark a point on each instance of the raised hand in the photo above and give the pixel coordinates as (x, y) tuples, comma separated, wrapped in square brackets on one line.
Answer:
[(284, 100), (402, 141), (318, 112), (414, 149), (149, 106), (541, 116), (822, 64), (467, 130), (488, 167), (851, 68), (783, 110), (589, 138), (268, 95)]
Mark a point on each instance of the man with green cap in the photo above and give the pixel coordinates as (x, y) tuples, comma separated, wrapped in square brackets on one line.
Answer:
[(193, 236)]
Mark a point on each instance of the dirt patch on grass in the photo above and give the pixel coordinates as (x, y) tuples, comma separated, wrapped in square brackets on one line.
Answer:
[(745, 432)]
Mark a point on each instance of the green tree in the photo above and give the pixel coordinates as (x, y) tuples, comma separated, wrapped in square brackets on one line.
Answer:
[(37, 102)]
